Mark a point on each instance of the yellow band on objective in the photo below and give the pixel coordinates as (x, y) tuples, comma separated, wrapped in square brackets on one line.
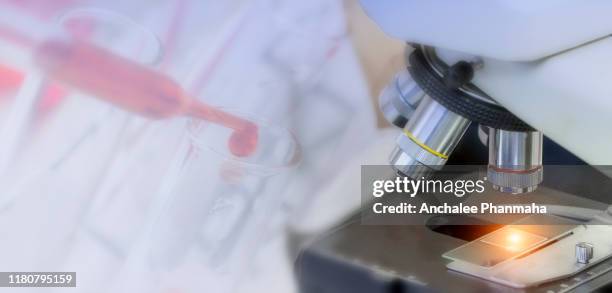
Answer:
[(424, 146)]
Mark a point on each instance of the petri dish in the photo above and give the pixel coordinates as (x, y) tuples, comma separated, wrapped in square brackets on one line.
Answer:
[(277, 148)]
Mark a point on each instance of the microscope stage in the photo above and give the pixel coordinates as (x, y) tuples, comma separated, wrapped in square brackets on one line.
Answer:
[(360, 258)]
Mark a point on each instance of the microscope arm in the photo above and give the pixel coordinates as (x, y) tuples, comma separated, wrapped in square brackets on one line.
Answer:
[(566, 96), (517, 30)]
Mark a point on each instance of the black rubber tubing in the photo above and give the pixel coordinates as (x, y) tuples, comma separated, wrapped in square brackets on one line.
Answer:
[(459, 102)]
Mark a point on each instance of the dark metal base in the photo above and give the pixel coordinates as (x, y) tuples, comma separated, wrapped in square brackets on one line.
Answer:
[(396, 259)]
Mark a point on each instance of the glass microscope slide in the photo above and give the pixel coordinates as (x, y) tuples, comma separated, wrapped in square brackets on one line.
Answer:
[(509, 242)]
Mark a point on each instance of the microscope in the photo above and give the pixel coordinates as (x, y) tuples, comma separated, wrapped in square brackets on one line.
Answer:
[(516, 81)]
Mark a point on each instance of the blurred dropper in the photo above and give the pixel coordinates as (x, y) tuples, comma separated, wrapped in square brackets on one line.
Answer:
[(134, 87), (81, 72)]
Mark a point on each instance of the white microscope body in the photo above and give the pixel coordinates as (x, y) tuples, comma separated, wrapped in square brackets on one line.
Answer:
[(548, 62)]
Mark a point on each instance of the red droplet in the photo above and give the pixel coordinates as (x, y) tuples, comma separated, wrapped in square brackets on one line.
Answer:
[(243, 142)]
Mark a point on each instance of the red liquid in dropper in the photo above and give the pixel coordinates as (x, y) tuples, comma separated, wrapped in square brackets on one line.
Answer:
[(243, 140), (135, 88), (242, 143)]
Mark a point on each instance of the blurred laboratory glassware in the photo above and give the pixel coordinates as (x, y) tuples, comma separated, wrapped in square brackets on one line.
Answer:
[(98, 26), (308, 35), (62, 163), (219, 200), (214, 175), (17, 120), (126, 195), (102, 27)]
